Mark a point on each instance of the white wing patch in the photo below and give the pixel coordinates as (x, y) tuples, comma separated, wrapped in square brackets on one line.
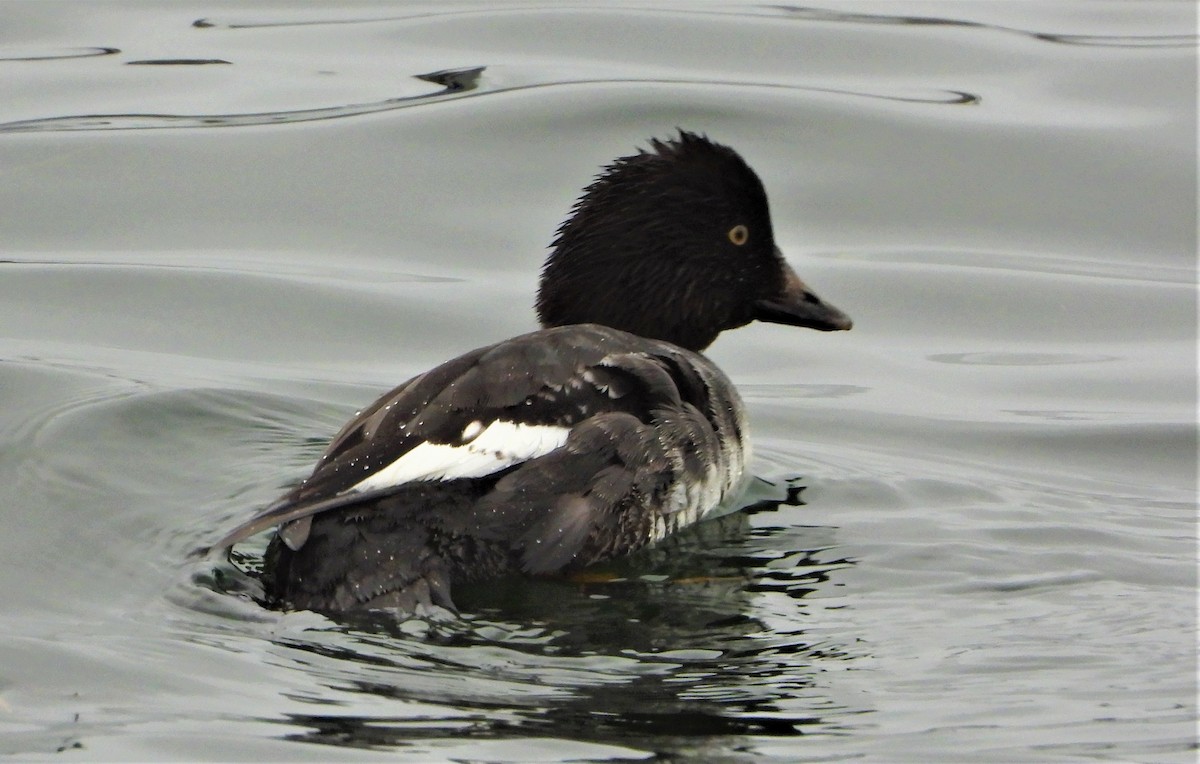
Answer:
[(498, 446)]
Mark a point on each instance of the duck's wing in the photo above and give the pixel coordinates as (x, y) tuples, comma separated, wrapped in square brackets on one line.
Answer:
[(477, 415), (602, 493)]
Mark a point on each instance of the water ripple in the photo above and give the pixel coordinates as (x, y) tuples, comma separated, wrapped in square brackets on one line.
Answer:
[(788, 11), (685, 653), (80, 53), (177, 62), (456, 83), (453, 81), (1109, 41), (1020, 359)]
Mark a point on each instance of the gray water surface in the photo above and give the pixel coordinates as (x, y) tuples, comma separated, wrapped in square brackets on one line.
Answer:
[(224, 227)]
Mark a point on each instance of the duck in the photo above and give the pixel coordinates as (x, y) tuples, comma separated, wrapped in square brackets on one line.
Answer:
[(600, 433)]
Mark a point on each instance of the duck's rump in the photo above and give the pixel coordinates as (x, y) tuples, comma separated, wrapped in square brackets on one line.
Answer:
[(400, 551), (410, 548)]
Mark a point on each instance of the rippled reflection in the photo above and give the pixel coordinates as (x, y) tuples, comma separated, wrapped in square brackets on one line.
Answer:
[(675, 641)]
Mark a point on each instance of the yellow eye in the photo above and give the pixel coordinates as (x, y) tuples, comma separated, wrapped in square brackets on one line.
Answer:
[(739, 234)]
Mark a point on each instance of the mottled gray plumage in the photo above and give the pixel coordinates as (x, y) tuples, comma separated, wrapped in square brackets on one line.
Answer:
[(643, 458)]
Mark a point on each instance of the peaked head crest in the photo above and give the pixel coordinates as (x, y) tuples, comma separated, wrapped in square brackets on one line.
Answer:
[(673, 243)]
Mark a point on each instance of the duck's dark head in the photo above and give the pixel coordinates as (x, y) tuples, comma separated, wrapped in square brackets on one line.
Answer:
[(675, 243)]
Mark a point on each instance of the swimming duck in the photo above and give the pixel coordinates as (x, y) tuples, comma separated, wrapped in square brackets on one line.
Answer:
[(600, 433)]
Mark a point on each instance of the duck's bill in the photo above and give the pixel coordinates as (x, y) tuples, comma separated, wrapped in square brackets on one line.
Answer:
[(800, 306)]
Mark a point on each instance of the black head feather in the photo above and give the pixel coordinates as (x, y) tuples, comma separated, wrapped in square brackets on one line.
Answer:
[(654, 246)]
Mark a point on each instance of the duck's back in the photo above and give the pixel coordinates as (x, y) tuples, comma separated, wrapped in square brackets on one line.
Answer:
[(542, 453)]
